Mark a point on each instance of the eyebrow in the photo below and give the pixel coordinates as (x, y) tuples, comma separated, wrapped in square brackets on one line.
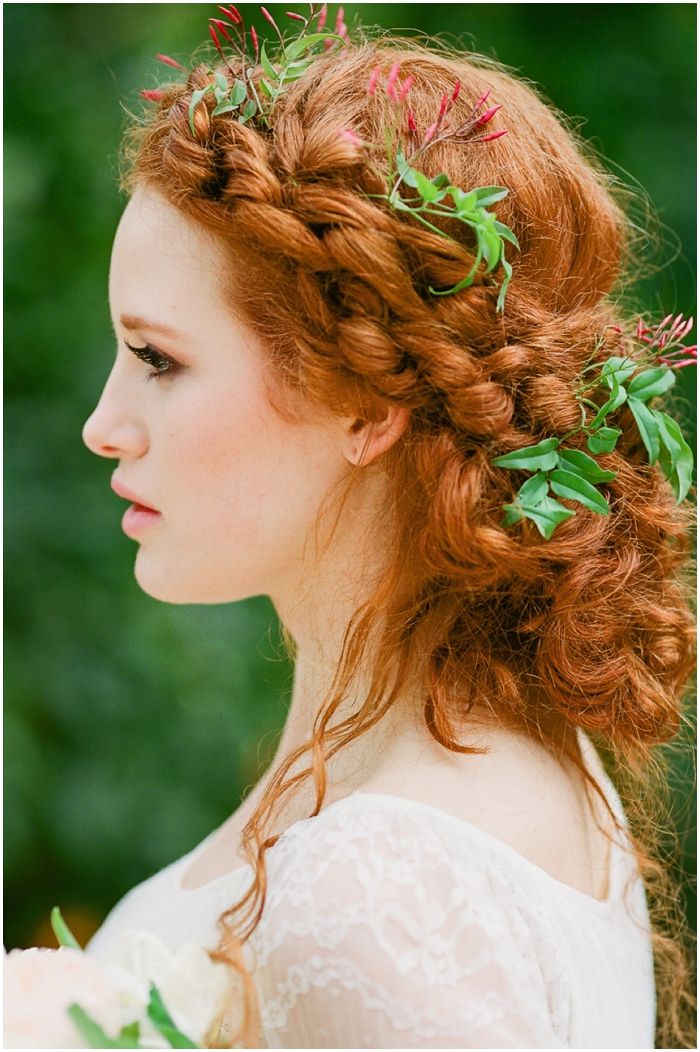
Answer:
[(134, 321)]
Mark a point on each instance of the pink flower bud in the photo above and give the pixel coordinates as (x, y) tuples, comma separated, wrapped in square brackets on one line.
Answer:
[(170, 62), (254, 38), (662, 341), (266, 14), (339, 23), (405, 88), (665, 321), (374, 77), (482, 99), (456, 91), (295, 16), (393, 74), (641, 328), (486, 117), (152, 94), (351, 136), (322, 17), (443, 107), (429, 134), (493, 135), (412, 126)]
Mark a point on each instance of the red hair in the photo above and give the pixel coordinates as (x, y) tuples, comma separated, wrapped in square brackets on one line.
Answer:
[(592, 628)]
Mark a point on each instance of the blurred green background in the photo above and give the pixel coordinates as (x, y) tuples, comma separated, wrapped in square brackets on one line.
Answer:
[(133, 727)]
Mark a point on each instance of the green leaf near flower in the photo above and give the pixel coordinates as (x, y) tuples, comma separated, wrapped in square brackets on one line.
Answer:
[(534, 490), (650, 383), (574, 487), (531, 458), (95, 1036), (488, 195), (546, 515), (581, 464), (675, 455), (647, 426), (603, 440), (163, 1022), (622, 368), (617, 398), (64, 935)]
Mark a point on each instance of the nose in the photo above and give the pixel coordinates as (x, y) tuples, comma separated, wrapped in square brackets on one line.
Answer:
[(115, 428)]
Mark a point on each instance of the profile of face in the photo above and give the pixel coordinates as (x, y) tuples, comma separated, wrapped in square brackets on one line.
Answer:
[(233, 488)]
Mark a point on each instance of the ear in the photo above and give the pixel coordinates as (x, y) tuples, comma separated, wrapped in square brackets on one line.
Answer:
[(365, 440)]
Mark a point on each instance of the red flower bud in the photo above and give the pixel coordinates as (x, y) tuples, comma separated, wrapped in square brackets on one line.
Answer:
[(217, 42), (486, 117), (412, 126), (231, 12), (221, 26), (295, 16), (374, 77), (493, 135), (152, 94), (443, 106), (641, 328), (170, 62), (456, 91), (254, 38), (482, 99)]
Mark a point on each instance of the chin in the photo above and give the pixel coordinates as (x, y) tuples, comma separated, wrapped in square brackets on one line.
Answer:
[(171, 586)]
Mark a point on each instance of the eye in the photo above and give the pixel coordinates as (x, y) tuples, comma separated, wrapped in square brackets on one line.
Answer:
[(161, 362)]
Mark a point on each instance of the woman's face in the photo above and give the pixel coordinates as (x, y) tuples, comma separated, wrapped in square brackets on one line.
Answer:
[(235, 489)]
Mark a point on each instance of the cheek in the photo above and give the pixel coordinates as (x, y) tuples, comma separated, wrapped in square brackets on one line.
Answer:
[(247, 477)]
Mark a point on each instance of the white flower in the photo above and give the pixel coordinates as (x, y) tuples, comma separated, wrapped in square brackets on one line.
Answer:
[(40, 985), (193, 987)]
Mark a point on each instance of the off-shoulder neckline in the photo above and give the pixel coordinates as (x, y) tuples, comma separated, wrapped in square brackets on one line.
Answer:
[(360, 797)]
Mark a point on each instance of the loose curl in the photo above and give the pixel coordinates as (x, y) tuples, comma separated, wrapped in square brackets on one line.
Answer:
[(592, 628)]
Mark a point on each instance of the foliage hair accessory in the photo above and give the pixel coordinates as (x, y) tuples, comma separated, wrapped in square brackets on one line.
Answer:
[(248, 102), (555, 470)]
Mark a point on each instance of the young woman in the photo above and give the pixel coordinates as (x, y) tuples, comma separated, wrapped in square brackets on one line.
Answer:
[(307, 402)]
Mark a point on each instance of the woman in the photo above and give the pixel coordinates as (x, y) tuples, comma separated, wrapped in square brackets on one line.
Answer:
[(311, 387)]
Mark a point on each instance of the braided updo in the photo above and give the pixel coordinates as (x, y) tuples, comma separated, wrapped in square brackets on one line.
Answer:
[(592, 627)]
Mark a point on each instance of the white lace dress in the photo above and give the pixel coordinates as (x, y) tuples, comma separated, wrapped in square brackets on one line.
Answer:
[(390, 923)]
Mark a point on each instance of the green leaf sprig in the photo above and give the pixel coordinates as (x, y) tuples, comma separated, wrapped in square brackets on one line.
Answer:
[(560, 472), (281, 67), (468, 207)]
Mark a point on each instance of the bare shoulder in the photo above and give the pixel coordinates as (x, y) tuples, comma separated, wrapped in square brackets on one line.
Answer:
[(519, 792)]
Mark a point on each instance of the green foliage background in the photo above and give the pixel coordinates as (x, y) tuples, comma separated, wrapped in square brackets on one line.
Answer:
[(131, 727)]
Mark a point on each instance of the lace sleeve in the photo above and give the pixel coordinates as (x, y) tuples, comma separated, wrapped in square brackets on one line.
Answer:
[(381, 932)]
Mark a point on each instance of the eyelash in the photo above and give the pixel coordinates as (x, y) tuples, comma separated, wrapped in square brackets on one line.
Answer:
[(160, 362)]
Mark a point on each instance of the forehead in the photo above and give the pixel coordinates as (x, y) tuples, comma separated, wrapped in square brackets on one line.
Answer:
[(162, 260)]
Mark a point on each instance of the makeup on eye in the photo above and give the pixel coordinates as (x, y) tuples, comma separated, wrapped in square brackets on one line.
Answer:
[(162, 363)]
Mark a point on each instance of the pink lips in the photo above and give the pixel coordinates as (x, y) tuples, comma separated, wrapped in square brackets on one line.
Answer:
[(139, 515)]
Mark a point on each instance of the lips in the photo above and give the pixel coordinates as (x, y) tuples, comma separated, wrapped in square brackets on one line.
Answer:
[(122, 491)]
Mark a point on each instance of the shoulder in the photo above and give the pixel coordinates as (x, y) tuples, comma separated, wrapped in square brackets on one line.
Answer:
[(406, 922)]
